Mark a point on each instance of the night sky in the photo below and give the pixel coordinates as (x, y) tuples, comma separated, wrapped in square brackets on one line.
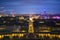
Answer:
[(30, 6)]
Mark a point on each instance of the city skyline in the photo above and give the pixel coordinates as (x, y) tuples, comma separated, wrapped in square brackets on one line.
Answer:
[(30, 6)]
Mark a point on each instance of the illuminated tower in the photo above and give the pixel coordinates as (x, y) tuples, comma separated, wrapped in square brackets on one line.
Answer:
[(44, 11), (13, 14), (31, 28)]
